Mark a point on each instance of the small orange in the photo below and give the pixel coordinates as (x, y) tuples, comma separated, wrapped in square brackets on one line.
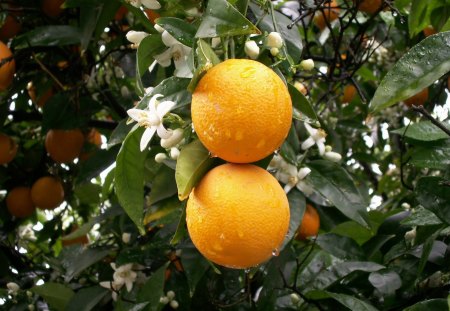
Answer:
[(19, 203), (52, 8), (43, 97), (429, 30), (8, 69), (47, 192), (93, 138), (368, 6), (241, 110), (329, 14), (418, 99), (238, 215), (310, 224), (349, 93), (64, 146), (10, 28), (82, 240), (8, 149)]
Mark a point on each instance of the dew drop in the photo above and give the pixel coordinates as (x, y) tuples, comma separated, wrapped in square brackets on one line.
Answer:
[(276, 252)]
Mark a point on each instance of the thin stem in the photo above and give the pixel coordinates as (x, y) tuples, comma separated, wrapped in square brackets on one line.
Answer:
[(47, 71), (426, 114)]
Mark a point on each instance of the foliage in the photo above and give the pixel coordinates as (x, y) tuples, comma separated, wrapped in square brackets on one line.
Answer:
[(380, 185)]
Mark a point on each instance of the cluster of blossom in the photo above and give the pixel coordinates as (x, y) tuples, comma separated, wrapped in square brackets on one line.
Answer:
[(169, 298), (13, 291), (274, 42), (124, 275)]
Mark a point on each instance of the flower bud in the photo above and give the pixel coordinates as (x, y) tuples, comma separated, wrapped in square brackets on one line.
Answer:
[(136, 36), (170, 294), (29, 294), (12, 287), (307, 64), (295, 298), (31, 307), (274, 51), (172, 141), (164, 300), (126, 237), (174, 304), (274, 40), (124, 91), (174, 153), (332, 156), (160, 157), (151, 4), (410, 235), (251, 49), (301, 87), (215, 42)]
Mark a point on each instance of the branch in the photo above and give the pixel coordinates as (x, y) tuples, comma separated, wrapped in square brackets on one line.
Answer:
[(426, 114)]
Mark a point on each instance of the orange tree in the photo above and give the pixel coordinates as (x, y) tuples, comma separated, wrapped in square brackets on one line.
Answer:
[(317, 124)]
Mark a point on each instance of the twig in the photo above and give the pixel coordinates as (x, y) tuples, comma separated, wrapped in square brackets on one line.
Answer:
[(426, 114), (47, 71)]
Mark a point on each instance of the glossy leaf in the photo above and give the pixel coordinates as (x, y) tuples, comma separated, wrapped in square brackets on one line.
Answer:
[(385, 281), (421, 217), (163, 185), (153, 289), (335, 184), (149, 47), (181, 231), (75, 259), (55, 294), (297, 206), (420, 15), (129, 177), (418, 68), (96, 163), (430, 305), (179, 29), (436, 156), (433, 194), (354, 231), (340, 246), (54, 35), (206, 54), (88, 193), (87, 298), (173, 89), (347, 301), (372, 246), (193, 162), (303, 110), (195, 266), (221, 19), (423, 131)]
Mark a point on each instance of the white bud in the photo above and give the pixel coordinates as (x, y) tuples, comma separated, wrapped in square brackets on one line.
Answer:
[(160, 157), (215, 42), (172, 141), (158, 28), (274, 51), (274, 40), (406, 206), (174, 304), (307, 64), (332, 156), (135, 3), (31, 307), (29, 294), (164, 300), (410, 235), (170, 294), (151, 4), (295, 298), (251, 49), (301, 87), (174, 153), (126, 237), (124, 91), (118, 72), (13, 287), (136, 36)]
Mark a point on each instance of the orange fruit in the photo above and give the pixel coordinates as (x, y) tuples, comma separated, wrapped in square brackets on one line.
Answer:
[(310, 224), (52, 8), (64, 146), (329, 14), (349, 93), (10, 28), (80, 240), (429, 30), (238, 215), (19, 203), (8, 149), (368, 6), (418, 99), (8, 69), (94, 139), (151, 15), (241, 110), (43, 97), (47, 192)]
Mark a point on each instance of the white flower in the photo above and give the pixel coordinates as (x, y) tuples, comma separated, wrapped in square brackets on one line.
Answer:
[(307, 64), (111, 286), (124, 275), (152, 119), (274, 40), (136, 36), (251, 49), (291, 177), (126, 237), (172, 141), (158, 28), (176, 51), (317, 137), (150, 4), (160, 157), (13, 288)]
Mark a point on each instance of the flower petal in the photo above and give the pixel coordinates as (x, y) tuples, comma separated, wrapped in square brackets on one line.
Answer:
[(152, 103), (304, 187), (162, 132), (288, 187), (151, 4), (303, 172), (165, 58), (312, 131), (168, 39), (321, 145), (308, 143), (146, 137), (136, 114), (164, 107)]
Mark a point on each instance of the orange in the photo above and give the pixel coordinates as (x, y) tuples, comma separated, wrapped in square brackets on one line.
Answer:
[(79, 240), (8, 149), (329, 14), (10, 28), (8, 69), (429, 30), (349, 93), (368, 6), (19, 202), (310, 224), (241, 110), (64, 146), (52, 8), (47, 192), (418, 99), (238, 215), (93, 138), (43, 97)]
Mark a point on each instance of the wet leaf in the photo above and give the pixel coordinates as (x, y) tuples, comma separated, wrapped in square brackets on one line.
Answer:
[(433, 193), (348, 301), (423, 131), (430, 305), (54, 35), (179, 29), (303, 110), (87, 298), (436, 156), (385, 281), (55, 294), (340, 246)]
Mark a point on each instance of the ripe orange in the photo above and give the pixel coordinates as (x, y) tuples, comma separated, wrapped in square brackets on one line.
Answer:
[(10, 28), (80, 240), (238, 215), (418, 99), (8, 69), (19, 203), (310, 224), (429, 30), (8, 149), (368, 6), (40, 100), (349, 93), (241, 110), (47, 192), (93, 138), (329, 14), (52, 8), (64, 146)]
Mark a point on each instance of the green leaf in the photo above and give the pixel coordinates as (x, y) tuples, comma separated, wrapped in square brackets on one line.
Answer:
[(149, 47), (195, 266), (193, 162), (340, 246), (433, 194), (88, 22), (129, 177), (385, 281), (335, 184), (353, 230), (54, 35), (372, 246), (419, 17), (163, 185), (75, 259), (436, 156), (206, 54), (153, 289), (88, 193), (221, 19), (350, 302), (423, 64), (97, 163), (181, 231), (297, 206), (421, 217), (179, 29), (303, 110), (173, 89), (55, 294), (430, 305), (87, 298), (423, 131)]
